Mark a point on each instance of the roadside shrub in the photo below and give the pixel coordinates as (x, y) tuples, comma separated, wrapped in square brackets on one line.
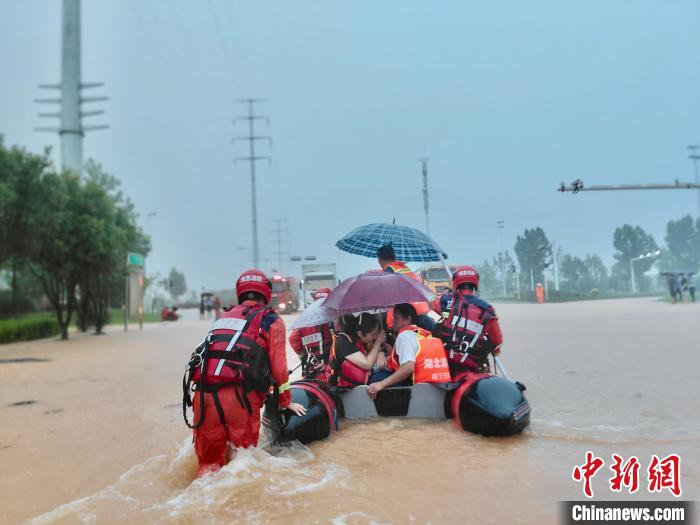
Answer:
[(595, 292), (24, 305), (12, 330)]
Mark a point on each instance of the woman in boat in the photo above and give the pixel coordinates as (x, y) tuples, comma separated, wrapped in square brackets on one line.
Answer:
[(355, 349)]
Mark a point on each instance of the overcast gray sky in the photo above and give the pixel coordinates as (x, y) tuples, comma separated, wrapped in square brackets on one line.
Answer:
[(508, 99)]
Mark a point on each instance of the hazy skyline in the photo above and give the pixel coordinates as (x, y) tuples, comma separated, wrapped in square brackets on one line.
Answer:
[(507, 100)]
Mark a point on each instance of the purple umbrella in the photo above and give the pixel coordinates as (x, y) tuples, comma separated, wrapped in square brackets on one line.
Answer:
[(374, 290)]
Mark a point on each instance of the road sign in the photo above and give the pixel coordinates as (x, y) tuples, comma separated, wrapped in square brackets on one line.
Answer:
[(134, 259)]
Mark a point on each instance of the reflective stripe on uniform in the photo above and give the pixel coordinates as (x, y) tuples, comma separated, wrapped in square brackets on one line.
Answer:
[(283, 388), (229, 323), (312, 338)]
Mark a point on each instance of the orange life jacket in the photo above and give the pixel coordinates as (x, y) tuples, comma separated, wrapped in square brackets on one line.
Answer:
[(343, 373), (421, 308), (431, 359), (400, 267)]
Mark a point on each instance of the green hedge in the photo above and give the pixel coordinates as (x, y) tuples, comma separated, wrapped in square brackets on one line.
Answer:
[(12, 330)]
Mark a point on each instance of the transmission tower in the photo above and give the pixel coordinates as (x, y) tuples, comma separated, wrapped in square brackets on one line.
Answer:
[(252, 138), (71, 129), (282, 253), (426, 202)]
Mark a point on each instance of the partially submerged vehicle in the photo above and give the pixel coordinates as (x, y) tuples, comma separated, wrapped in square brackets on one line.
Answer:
[(483, 403)]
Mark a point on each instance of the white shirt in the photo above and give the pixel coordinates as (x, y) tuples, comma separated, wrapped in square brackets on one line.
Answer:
[(406, 347)]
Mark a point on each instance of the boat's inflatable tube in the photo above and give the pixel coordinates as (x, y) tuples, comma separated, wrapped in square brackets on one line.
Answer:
[(421, 400), (489, 405), (321, 414), (482, 403)]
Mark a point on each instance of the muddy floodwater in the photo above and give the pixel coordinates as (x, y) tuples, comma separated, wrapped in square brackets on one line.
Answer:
[(91, 430)]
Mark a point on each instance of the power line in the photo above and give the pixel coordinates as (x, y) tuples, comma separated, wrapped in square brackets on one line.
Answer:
[(282, 255), (224, 45), (188, 41), (240, 47), (252, 158)]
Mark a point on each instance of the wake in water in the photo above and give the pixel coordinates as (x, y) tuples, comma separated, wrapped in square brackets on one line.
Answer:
[(163, 489)]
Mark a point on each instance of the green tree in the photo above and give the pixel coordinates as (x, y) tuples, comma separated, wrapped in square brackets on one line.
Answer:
[(632, 242), (683, 241), (597, 271), (503, 262), (54, 242), (110, 233), (176, 284), (488, 279), (20, 175), (533, 250), (574, 273)]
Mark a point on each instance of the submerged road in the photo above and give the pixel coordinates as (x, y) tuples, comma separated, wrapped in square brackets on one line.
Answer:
[(607, 376)]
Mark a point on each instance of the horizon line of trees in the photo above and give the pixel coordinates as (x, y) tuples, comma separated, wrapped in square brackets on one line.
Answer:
[(65, 236), (589, 275)]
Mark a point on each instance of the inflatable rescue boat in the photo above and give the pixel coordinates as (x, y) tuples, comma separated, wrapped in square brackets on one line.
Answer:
[(482, 403)]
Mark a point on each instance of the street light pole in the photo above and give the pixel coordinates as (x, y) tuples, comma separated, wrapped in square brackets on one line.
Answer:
[(149, 216), (500, 225), (695, 157), (649, 255)]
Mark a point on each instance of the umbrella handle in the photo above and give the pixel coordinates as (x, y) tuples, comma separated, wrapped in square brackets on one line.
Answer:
[(500, 368), (442, 260)]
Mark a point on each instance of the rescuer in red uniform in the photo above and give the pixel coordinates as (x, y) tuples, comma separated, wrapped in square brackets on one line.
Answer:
[(313, 344), (470, 328), (242, 358)]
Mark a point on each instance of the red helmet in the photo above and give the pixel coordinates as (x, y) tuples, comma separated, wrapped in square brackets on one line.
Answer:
[(254, 281), (463, 275), (321, 293)]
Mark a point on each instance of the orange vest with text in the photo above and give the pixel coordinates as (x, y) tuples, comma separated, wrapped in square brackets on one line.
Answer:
[(431, 359), (421, 308)]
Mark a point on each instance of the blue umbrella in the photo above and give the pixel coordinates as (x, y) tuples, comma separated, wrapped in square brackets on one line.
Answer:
[(409, 244)]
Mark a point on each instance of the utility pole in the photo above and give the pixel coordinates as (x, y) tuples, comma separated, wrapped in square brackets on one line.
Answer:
[(149, 216), (282, 255), (426, 202), (650, 255), (252, 158), (71, 129), (555, 266), (500, 225), (695, 157)]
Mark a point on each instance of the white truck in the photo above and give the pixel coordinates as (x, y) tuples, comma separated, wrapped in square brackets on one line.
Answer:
[(315, 276)]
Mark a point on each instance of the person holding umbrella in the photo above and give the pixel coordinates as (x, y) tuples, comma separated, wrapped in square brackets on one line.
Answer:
[(387, 260)]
